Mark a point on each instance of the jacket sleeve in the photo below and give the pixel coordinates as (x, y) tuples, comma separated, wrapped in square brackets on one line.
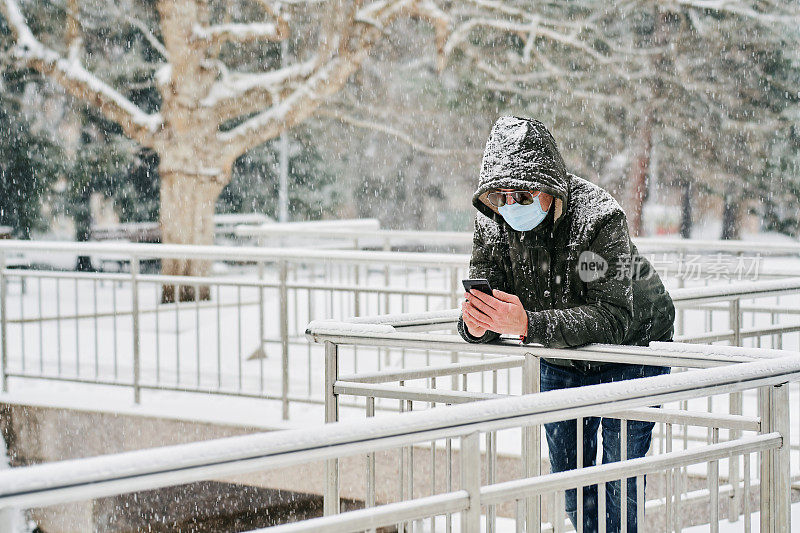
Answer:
[(608, 311), (484, 263)]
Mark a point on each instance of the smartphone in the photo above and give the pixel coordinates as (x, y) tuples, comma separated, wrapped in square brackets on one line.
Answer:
[(477, 284)]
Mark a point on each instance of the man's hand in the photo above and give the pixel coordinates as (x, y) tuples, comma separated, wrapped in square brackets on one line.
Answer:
[(503, 313)]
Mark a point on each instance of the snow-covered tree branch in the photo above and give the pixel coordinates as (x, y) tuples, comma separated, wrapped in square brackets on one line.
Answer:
[(78, 81)]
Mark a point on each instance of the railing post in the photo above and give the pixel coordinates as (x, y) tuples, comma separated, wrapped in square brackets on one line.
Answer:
[(680, 318), (531, 445), (284, 324), (3, 325), (782, 477), (735, 321), (735, 408), (453, 304), (331, 496), (357, 293), (259, 352), (471, 482), (766, 484), (137, 365)]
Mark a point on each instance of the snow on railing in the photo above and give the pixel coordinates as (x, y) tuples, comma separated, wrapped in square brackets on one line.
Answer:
[(95, 477), (464, 238), (506, 355), (287, 288)]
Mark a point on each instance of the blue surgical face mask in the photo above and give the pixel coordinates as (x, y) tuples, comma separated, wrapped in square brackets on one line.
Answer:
[(523, 217)]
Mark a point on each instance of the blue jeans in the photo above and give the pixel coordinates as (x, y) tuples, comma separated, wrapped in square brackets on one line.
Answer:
[(562, 441)]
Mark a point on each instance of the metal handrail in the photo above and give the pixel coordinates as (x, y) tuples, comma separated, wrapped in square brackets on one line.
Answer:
[(692, 296), (250, 253), (238, 253), (384, 334), (94, 477), (465, 238)]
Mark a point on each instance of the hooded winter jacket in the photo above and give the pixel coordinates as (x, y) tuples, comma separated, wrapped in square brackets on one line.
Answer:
[(621, 303)]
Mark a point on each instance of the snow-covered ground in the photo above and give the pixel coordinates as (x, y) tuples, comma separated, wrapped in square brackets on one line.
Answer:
[(737, 527)]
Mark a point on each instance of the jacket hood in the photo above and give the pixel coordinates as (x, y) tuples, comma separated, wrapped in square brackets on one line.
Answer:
[(521, 154)]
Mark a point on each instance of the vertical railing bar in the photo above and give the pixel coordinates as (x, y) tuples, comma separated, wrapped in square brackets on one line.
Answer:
[(294, 268), (454, 296), (735, 319), (370, 499), (531, 445), (197, 331), (668, 482), (448, 480), (640, 502), (471, 482), (137, 364), (680, 322), (115, 326), (96, 332), (158, 336), (309, 377), (432, 405), (558, 513), (177, 334), (77, 333), (579, 465), (735, 399), (681, 476), (41, 327), (491, 450), (58, 327), (4, 324), (747, 517), (410, 466), (601, 507), (765, 459), (22, 322), (782, 491), (356, 309), (331, 497), (284, 325), (773, 320), (239, 335), (219, 335), (678, 484), (623, 484), (401, 469), (713, 487)]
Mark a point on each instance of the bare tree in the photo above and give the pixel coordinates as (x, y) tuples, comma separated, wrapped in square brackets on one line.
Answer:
[(210, 115), (704, 82)]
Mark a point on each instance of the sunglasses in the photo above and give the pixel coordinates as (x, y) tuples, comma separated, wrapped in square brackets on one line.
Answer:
[(499, 199)]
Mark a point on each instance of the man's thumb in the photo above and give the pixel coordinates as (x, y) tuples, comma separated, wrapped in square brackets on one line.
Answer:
[(504, 296)]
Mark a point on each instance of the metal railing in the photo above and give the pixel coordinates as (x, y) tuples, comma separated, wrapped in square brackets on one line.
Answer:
[(111, 329), (465, 491), (464, 383), (388, 238)]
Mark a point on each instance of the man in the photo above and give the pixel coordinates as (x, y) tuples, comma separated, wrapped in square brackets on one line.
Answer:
[(557, 252)]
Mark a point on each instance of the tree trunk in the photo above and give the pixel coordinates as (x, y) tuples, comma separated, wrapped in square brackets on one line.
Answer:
[(686, 209), (640, 170), (83, 227), (730, 217), (187, 217)]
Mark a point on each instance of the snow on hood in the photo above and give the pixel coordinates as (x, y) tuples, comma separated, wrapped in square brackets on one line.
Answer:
[(521, 154)]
